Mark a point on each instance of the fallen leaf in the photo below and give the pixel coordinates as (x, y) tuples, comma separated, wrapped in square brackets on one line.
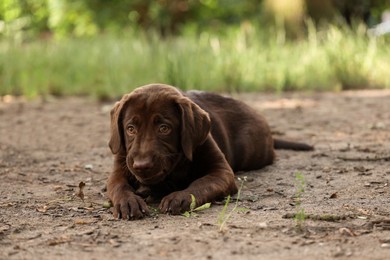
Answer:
[(347, 231), (42, 209), (87, 232), (80, 194), (7, 204), (57, 187), (81, 185), (114, 243), (57, 241)]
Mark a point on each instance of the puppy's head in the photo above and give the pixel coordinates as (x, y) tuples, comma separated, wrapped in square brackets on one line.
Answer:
[(153, 127)]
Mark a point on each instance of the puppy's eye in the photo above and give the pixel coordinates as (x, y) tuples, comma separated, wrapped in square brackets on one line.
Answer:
[(131, 130), (164, 129)]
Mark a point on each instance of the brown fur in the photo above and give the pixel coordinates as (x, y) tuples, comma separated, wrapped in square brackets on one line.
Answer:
[(172, 144)]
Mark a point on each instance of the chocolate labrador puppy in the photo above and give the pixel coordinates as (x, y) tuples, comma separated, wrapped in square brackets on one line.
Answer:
[(171, 144)]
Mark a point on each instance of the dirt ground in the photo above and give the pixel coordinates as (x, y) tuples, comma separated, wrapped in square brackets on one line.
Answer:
[(48, 147)]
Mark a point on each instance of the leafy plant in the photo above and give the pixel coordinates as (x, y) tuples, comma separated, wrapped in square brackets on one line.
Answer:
[(194, 209), (223, 218)]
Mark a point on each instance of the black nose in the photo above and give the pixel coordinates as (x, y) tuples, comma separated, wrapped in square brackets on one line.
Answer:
[(143, 164)]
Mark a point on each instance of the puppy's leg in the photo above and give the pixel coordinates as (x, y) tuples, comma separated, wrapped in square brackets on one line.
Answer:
[(216, 180), (127, 205)]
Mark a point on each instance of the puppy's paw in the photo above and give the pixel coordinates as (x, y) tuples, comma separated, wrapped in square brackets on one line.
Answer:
[(127, 205), (176, 203)]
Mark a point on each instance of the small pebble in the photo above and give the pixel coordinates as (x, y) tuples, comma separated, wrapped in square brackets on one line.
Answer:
[(385, 245), (88, 166)]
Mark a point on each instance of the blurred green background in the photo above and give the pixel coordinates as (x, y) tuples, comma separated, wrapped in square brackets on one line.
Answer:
[(105, 48)]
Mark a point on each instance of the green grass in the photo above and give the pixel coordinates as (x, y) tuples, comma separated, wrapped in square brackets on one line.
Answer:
[(300, 214), (223, 218), (243, 59)]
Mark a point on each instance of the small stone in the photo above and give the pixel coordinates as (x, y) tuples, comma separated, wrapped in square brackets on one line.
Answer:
[(378, 126), (262, 225), (385, 245), (88, 166)]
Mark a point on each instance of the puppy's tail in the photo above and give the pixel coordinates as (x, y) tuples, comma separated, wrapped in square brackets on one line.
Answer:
[(283, 144)]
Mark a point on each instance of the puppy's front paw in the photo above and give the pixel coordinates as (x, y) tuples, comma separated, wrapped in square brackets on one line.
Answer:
[(127, 205), (176, 202)]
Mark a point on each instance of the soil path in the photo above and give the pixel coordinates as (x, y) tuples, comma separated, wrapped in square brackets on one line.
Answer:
[(48, 148)]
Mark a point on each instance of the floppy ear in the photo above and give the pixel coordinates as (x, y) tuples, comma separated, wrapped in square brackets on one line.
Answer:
[(195, 126), (116, 140)]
